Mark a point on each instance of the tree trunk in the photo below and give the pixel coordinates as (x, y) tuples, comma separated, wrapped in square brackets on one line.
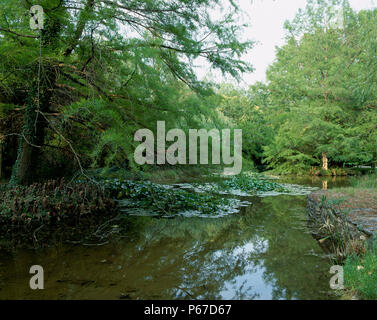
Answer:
[(32, 137), (25, 171), (325, 161)]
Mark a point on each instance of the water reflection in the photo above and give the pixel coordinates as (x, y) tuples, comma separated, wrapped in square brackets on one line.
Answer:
[(264, 252), (319, 182)]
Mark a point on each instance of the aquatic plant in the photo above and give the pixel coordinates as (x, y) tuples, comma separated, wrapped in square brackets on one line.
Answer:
[(241, 185), (251, 184), (163, 199)]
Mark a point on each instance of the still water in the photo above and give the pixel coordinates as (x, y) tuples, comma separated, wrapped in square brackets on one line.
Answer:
[(263, 252)]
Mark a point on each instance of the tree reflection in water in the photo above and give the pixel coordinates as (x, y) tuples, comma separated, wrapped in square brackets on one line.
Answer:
[(264, 252)]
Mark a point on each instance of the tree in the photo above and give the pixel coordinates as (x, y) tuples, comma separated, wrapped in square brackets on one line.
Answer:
[(319, 89), (248, 110), (106, 56)]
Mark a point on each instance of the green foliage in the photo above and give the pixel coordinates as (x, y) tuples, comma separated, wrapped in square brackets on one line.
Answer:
[(109, 68), (5, 108), (320, 91), (360, 273), (246, 110), (110, 140), (116, 66), (251, 185), (163, 199)]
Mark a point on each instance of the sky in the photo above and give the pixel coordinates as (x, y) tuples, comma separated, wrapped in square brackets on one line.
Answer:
[(266, 19)]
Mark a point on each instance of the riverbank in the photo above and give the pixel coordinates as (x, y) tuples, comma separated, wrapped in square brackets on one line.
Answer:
[(358, 205), (38, 214), (319, 172), (344, 221)]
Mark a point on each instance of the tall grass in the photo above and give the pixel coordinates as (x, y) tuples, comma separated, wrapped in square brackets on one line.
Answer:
[(365, 182), (360, 273)]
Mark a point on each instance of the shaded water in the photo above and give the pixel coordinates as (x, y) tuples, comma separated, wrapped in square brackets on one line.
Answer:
[(263, 252)]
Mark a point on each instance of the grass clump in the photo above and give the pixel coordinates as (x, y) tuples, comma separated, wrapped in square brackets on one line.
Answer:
[(360, 273)]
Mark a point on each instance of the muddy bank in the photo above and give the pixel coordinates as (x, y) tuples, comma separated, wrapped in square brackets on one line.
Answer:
[(40, 214), (342, 221), (358, 206)]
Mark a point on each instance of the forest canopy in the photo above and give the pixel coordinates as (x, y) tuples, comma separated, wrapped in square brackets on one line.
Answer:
[(99, 70), (73, 94), (320, 99)]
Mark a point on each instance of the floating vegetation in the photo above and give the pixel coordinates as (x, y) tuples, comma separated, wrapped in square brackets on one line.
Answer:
[(143, 198), (247, 185), (289, 189), (251, 184), (164, 200)]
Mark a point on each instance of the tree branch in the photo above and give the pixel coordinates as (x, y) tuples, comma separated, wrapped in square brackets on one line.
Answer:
[(18, 34)]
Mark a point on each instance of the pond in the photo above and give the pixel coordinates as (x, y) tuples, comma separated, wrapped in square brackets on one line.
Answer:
[(265, 251)]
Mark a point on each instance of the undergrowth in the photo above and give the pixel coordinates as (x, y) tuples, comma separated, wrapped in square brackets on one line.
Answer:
[(360, 273)]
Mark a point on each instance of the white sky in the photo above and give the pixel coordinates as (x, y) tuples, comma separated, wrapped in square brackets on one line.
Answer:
[(266, 20)]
